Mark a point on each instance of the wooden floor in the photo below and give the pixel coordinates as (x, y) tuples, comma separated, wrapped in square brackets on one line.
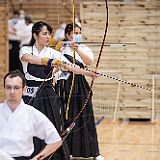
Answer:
[(124, 140)]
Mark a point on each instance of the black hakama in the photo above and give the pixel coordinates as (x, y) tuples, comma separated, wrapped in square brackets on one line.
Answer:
[(82, 141)]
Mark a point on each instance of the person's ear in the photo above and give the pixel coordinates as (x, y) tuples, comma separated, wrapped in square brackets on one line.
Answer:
[(24, 89), (35, 36), (67, 35)]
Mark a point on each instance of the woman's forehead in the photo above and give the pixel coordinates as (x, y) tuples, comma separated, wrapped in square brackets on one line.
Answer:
[(44, 29), (77, 29)]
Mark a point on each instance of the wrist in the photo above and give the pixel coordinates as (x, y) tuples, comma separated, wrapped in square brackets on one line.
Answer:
[(46, 61), (49, 63)]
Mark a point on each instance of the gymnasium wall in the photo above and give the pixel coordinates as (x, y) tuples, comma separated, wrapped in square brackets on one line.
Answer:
[(3, 44), (131, 52)]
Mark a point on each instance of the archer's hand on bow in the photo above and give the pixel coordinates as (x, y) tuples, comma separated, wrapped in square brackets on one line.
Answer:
[(93, 75), (74, 46)]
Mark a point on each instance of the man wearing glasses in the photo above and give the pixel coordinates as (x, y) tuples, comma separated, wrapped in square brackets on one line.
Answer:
[(20, 122)]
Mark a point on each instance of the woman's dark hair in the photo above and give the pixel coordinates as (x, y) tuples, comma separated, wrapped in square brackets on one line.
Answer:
[(15, 73), (37, 27), (69, 28)]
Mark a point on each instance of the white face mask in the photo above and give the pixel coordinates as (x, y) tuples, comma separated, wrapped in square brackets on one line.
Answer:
[(77, 38), (21, 17)]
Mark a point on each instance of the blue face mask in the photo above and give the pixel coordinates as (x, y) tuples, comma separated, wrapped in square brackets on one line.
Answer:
[(15, 20), (77, 38)]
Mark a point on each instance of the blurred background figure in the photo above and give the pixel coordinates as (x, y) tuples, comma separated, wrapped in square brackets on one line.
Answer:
[(25, 34), (59, 33), (22, 14), (16, 23), (77, 20)]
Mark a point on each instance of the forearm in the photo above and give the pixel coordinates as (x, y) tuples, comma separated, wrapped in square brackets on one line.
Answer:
[(68, 66), (86, 59), (50, 148), (77, 70), (85, 53), (31, 59)]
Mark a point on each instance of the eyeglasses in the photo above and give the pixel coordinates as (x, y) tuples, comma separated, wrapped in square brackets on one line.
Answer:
[(12, 87)]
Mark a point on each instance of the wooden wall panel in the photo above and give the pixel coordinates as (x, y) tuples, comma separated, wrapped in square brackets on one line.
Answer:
[(133, 52), (3, 44)]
